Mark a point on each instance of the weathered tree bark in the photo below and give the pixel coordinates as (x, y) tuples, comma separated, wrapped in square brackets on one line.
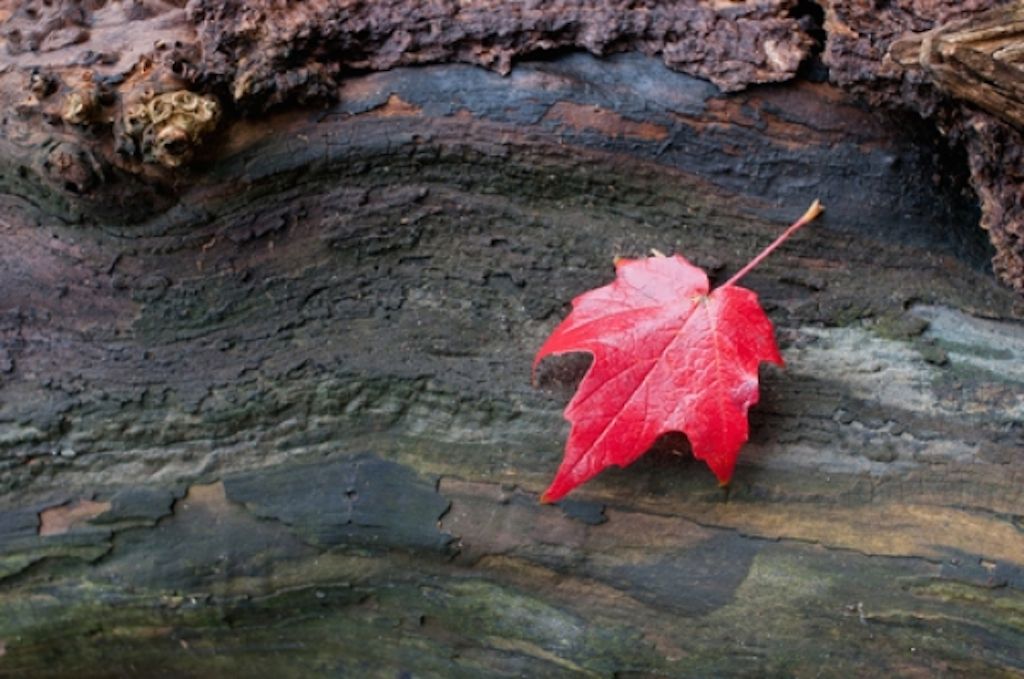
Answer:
[(265, 402)]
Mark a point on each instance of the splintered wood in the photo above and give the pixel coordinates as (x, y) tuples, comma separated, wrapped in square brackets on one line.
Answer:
[(980, 60)]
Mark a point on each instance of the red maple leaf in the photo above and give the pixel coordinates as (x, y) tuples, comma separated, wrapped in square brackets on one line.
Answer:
[(668, 356)]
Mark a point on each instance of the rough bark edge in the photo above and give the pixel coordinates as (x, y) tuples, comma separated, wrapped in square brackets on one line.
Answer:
[(78, 130)]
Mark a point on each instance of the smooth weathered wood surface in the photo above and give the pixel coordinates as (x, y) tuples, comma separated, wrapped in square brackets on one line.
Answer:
[(286, 427)]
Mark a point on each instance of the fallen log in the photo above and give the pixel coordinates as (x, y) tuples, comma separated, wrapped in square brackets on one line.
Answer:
[(268, 411)]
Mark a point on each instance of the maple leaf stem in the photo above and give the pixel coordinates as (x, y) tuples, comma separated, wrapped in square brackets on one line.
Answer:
[(812, 212)]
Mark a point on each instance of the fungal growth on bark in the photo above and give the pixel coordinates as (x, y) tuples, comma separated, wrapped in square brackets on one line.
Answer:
[(167, 128), (80, 106)]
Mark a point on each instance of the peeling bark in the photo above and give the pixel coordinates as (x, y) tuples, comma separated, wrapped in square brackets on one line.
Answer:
[(942, 59)]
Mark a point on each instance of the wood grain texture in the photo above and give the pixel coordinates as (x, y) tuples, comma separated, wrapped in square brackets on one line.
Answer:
[(285, 427), (978, 60)]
